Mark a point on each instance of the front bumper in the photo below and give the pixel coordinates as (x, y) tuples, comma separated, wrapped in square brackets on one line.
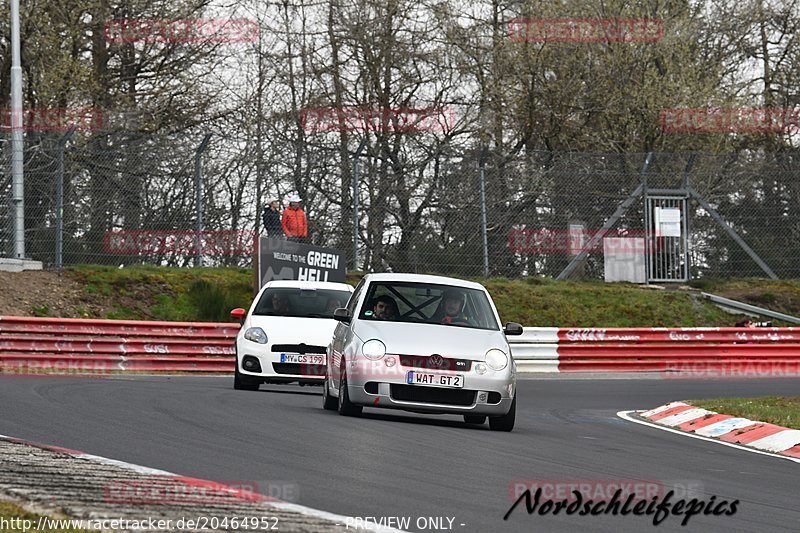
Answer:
[(370, 385), (273, 370)]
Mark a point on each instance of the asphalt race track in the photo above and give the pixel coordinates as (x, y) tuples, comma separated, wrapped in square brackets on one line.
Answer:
[(399, 464)]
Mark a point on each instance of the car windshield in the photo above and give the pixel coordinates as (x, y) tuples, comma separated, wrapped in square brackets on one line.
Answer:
[(297, 302), (428, 303)]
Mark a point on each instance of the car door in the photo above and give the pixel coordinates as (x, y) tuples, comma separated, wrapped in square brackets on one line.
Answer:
[(342, 335)]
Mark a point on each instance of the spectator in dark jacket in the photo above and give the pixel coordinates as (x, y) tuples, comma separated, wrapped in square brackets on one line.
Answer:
[(272, 220)]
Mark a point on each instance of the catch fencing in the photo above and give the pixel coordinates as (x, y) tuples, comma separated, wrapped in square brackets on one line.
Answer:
[(186, 200), (88, 346)]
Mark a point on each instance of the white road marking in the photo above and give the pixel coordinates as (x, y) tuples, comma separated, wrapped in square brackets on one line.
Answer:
[(339, 519), (128, 466), (625, 415)]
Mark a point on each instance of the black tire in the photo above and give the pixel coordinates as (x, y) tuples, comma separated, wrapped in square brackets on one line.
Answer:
[(241, 382), (328, 402), (475, 419), (345, 406), (505, 422)]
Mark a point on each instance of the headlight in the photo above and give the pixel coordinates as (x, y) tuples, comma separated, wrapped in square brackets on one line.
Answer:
[(256, 335), (373, 349), (496, 359)]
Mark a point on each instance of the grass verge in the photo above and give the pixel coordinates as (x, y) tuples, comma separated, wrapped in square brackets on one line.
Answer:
[(590, 304), (208, 294), (164, 293), (778, 410), (14, 519)]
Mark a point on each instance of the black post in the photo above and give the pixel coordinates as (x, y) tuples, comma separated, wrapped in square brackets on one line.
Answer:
[(62, 143), (356, 163), (198, 197)]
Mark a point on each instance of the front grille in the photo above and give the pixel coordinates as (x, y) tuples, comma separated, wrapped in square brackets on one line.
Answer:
[(448, 363), (299, 348), (413, 393), (301, 369)]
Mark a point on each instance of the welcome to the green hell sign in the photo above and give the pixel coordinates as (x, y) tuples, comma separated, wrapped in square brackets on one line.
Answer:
[(280, 259), (327, 262)]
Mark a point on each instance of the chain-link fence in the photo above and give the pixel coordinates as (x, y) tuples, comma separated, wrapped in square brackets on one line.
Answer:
[(127, 198), (131, 198)]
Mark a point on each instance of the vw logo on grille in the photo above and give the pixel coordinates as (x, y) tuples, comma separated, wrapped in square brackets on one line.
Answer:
[(436, 361)]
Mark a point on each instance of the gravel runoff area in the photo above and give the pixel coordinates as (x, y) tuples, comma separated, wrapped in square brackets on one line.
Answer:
[(53, 483)]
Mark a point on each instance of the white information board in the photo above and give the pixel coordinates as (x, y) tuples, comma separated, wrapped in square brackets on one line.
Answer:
[(668, 221)]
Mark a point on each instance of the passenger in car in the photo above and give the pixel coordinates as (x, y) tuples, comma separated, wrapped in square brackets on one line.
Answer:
[(280, 304), (384, 308), (332, 305)]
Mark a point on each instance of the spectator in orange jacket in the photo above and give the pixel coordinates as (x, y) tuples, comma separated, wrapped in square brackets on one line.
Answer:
[(294, 223)]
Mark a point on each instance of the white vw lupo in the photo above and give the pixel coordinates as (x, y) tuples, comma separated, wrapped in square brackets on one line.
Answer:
[(426, 344)]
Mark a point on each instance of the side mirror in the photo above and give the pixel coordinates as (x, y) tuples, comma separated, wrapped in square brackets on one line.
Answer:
[(512, 328), (238, 314), (342, 315)]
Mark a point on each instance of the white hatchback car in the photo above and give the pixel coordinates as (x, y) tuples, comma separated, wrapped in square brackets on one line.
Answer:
[(426, 344), (285, 334)]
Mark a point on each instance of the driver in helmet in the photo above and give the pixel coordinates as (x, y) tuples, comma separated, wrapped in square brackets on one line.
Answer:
[(453, 303)]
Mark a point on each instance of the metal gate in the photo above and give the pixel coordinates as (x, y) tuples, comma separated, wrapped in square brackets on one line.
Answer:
[(666, 238)]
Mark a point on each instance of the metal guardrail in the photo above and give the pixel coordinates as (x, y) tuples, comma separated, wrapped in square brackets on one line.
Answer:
[(90, 346), (31, 345), (694, 352), (747, 308), (130, 328)]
